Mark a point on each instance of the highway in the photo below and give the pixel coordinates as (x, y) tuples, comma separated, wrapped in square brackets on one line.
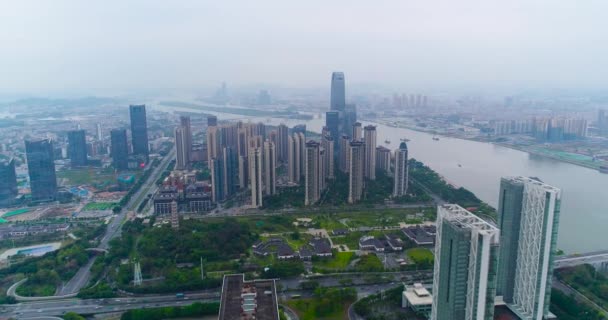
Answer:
[(81, 278), (593, 258), (34, 309)]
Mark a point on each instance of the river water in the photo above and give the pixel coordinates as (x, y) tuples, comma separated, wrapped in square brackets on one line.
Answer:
[(584, 210)]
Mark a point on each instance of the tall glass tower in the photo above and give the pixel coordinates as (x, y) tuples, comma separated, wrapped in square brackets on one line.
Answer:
[(41, 169), (139, 130), (338, 92), (528, 217), (77, 148), (464, 277)]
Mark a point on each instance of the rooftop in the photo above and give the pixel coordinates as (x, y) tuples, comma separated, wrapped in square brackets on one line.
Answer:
[(465, 219), (248, 299)]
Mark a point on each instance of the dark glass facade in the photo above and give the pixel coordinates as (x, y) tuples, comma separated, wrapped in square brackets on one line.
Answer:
[(139, 130), (41, 169), (77, 148), (119, 149)]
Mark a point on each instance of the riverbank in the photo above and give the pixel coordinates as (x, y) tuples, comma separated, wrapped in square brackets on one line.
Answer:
[(533, 150)]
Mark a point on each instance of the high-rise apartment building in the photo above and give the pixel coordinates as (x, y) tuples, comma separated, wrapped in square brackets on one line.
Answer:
[(338, 92), (139, 130), (528, 217), (332, 122), (464, 276), (255, 172), (356, 171), (357, 132), (119, 149), (77, 148), (349, 118), (270, 167), (383, 159), (182, 154), (312, 191), (217, 179), (296, 146), (344, 153), (213, 139), (291, 159), (327, 142), (370, 152), (41, 169), (184, 122), (401, 171), (230, 167), (602, 121), (282, 134), (8, 182), (243, 172)]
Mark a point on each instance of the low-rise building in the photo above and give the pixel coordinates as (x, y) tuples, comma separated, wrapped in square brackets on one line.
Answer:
[(418, 298), (321, 247), (248, 300), (421, 235), (371, 243)]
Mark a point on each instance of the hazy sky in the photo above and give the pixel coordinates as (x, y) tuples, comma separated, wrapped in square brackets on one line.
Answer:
[(72, 45)]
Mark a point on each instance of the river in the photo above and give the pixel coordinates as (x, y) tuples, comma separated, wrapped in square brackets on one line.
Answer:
[(584, 210)]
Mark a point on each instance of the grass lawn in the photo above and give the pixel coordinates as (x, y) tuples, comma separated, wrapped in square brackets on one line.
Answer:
[(420, 255), (99, 206), (369, 263), (37, 290), (305, 308), (339, 260), (96, 177)]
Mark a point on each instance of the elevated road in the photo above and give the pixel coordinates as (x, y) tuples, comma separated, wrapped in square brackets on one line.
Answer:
[(598, 259)]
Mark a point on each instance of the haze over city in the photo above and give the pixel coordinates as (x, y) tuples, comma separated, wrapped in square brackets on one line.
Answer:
[(112, 47)]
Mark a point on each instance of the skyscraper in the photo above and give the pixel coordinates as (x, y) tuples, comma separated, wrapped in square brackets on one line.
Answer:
[(211, 121), (332, 122), (528, 217), (356, 134), (401, 171), (312, 191), (464, 276), (602, 121), (139, 130), (182, 154), (270, 166), (8, 182), (230, 171), (255, 172), (217, 179), (292, 158), (243, 172), (370, 152), (349, 118), (299, 128), (355, 179), (41, 169), (282, 134), (213, 142), (77, 148), (383, 159), (184, 122), (99, 132), (119, 149), (338, 92)]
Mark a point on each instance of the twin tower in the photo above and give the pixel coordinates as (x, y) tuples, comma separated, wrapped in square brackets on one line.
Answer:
[(479, 265)]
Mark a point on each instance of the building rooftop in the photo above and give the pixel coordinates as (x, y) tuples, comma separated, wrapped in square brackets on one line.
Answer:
[(246, 300), (464, 219), (418, 295)]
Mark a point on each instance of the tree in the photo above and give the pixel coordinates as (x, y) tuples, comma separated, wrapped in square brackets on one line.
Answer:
[(73, 316)]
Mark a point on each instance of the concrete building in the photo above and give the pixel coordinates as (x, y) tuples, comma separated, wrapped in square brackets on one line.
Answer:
[(8, 182), (248, 300), (401, 171), (344, 156), (312, 191), (139, 131), (327, 143), (355, 180), (464, 276), (182, 154), (119, 149), (528, 217), (184, 122), (41, 169), (296, 148), (213, 143), (370, 152), (77, 148), (282, 134), (230, 167), (418, 298), (255, 172), (270, 168), (383, 159), (357, 132), (243, 172)]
